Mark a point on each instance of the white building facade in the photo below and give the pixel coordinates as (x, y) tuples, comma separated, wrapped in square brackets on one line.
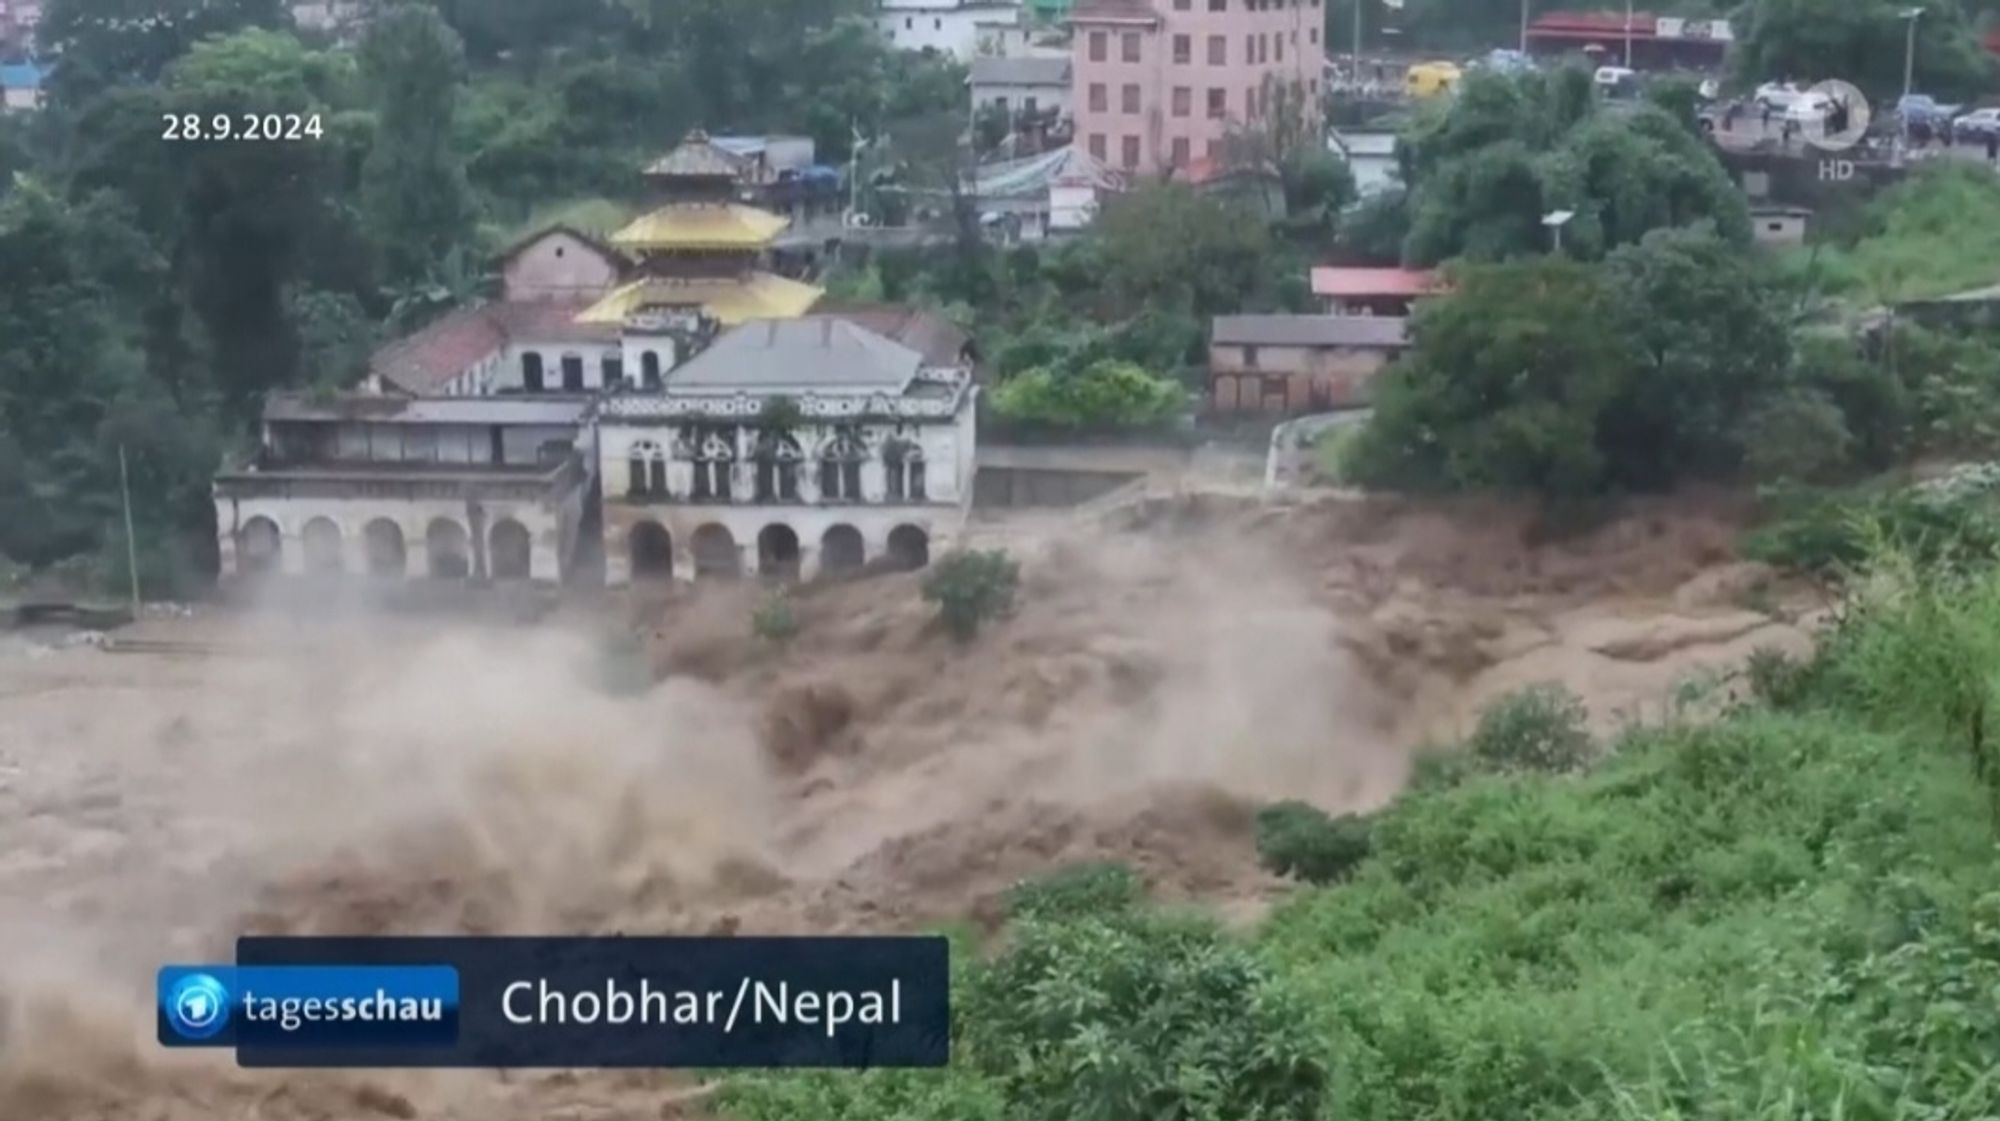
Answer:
[(796, 447), (963, 29)]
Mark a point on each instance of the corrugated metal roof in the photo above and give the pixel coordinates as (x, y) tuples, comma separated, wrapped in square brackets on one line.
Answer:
[(1030, 71), (1311, 330), (815, 352), (1359, 283)]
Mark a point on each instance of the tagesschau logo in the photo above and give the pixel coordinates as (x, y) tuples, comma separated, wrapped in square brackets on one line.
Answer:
[(307, 1007), (197, 1006)]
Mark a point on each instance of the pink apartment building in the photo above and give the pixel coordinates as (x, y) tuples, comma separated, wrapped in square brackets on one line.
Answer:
[(1157, 84)]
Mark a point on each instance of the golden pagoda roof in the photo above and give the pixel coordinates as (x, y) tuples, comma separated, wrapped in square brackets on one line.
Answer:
[(759, 295), (697, 225)]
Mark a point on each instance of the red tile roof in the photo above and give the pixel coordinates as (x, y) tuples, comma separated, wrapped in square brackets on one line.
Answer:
[(1592, 25), (1373, 283), (424, 362)]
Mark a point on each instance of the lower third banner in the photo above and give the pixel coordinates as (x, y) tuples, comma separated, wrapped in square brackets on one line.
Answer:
[(568, 1002)]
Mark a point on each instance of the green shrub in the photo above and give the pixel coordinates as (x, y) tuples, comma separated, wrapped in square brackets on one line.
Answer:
[(1302, 841), (970, 589), (774, 620), (1143, 1016), (1540, 728), (1090, 890), (1833, 533)]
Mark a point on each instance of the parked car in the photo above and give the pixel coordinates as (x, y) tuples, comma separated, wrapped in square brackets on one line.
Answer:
[(1976, 125), (1923, 109), (1777, 96), (1809, 108)]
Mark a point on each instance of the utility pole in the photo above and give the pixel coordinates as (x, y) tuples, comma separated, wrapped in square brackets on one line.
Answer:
[(131, 544), (1355, 76), (1910, 51), (1524, 27), (1628, 34)]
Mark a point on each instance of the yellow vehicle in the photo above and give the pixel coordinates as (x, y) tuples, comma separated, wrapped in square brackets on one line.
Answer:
[(1428, 79)]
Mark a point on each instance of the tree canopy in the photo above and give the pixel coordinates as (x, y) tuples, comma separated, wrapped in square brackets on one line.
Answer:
[(1863, 42)]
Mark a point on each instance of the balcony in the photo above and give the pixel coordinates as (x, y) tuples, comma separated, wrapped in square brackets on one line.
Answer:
[(405, 483)]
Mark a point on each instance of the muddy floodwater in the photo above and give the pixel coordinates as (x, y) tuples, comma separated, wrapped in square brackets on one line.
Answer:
[(1164, 674)]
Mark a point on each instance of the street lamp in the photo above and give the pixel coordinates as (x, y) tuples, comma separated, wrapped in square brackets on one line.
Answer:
[(1556, 220), (1524, 27), (1628, 34)]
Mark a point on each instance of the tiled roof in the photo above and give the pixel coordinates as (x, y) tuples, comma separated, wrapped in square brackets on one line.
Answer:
[(939, 340), (424, 362), (702, 226), (1366, 283), (760, 295), (1311, 330), (817, 351), (697, 156)]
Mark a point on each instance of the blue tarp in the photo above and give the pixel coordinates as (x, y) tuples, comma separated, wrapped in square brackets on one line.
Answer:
[(22, 75)]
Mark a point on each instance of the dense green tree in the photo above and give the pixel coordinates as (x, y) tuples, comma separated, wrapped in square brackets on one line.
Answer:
[(413, 187), (1509, 150), (1860, 41), (110, 42), (1214, 257)]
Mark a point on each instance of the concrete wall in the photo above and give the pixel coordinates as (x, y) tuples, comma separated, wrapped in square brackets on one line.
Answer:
[(936, 25), (351, 516), (510, 375), (559, 266)]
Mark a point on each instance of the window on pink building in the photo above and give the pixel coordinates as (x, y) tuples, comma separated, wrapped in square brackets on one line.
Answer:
[(1183, 5), (1128, 98), (1218, 103), (1281, 47), (1218, 50), (1097, 145), (1180, 151), (1099, 46), (1218, 5), (1183, 48), (1129, 46), (1100, 98), (1215, 149), (1128, 151), (1183, 101)]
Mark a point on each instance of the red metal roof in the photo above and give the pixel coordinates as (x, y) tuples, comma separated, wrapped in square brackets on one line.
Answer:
[(1592, 25), (1373, 283)]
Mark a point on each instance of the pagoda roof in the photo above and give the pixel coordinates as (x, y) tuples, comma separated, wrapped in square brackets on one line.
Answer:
[(702, 225), (698, 157), (757, 295)]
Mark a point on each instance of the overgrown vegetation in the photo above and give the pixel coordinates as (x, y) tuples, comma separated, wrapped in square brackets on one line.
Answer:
[(1303, 841), (1788, 913), (774, 620), (1094, 889), (972, 589)]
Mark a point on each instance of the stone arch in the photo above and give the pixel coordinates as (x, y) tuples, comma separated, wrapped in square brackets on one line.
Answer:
[(778, 551), (448, 548), (651, 549), (321, 541), (382, 539), (909, 547), (715, 552), (260, 548), (842, 550), (510, 550)]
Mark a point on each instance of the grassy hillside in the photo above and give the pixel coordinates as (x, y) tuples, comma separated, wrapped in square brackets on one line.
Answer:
[(1793, 912)]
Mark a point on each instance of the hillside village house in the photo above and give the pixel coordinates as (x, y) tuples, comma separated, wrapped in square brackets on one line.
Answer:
[(21, 87), (1031, 85), (472, 449), (1275, 364), (788, 447), (1157, 84), (963, 29)]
